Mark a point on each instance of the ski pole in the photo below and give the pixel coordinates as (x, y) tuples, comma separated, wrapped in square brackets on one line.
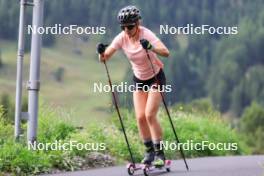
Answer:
[(168, 113), (117, 109)]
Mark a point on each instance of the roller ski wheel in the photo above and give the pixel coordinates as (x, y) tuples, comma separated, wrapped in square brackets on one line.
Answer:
[(168, 169), (146, 170), (131, 168)]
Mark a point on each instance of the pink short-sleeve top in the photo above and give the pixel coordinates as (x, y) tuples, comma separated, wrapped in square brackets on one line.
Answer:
[(136, 53)]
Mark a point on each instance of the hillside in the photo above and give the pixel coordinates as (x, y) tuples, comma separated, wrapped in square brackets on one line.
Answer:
[(81, 70)]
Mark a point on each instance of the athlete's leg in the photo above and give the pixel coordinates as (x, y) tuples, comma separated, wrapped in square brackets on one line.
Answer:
[(152, 107), (140, 100)]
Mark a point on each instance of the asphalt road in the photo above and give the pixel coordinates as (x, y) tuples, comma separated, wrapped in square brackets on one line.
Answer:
[(210, 166)]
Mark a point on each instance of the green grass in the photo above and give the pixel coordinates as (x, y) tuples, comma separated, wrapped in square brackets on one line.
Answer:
[(81, 71), (16, 158), (55, 125), (196, 126)]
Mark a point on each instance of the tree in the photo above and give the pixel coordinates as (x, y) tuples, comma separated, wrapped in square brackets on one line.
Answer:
[(1, 61), (235, 79)]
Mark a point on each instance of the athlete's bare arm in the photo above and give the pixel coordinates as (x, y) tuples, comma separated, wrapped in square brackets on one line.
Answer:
[(161, 49)]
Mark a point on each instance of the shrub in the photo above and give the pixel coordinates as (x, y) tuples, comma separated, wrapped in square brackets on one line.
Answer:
[(16, 158), (1, 111), (252, 118), (59, 74), (252, 125), (8, 107)]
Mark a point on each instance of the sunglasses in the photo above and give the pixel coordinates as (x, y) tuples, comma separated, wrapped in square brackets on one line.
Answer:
[(129, 27)]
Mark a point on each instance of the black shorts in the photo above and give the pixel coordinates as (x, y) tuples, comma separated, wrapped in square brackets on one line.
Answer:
[(146, 85)]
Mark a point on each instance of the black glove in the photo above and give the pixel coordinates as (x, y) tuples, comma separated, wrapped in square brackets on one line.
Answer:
[(145, 44), (101, 48)]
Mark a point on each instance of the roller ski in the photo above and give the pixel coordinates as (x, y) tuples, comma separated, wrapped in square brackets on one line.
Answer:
[(152, 162), (148, 168)]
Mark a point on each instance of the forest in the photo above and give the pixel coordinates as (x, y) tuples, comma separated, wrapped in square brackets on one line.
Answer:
[(227, 69)]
